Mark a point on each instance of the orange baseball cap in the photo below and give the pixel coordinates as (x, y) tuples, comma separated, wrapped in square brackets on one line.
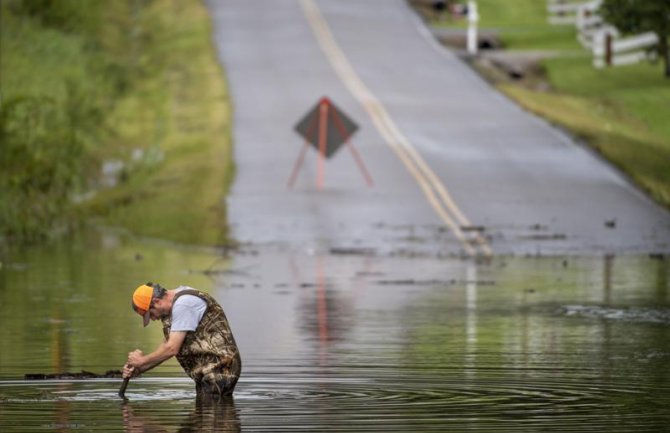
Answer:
[(142, 302)]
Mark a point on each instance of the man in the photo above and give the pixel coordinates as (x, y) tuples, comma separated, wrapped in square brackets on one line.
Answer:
[(196, 332)]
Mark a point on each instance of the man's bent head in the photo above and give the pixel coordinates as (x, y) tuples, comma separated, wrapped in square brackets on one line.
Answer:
[(143, 298)]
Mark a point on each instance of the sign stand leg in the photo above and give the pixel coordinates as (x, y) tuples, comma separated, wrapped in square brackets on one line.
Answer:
[(301, 156), (323, 134), (354, 152), (359, 162), (297, 165)]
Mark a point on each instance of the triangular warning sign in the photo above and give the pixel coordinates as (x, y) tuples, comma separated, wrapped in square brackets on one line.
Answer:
[(326, 128), (331, 135)]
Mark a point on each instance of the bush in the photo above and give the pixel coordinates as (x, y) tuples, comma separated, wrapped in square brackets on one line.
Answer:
[(42, 155), (57, 85)]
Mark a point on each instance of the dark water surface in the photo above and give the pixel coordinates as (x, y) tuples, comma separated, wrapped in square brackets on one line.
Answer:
[(342, 342)]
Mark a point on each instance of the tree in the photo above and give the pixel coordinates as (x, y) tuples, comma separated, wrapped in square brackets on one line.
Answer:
[(637, 16)]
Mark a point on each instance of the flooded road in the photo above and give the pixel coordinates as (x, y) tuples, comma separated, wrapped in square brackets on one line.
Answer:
[(368, 309), (343, 342), (457, 167)]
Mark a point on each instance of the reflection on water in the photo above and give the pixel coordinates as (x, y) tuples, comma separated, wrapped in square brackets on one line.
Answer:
[(63, 406), (211, 415), (343, 342)]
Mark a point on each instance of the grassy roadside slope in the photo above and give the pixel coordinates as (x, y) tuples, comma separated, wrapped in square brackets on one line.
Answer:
[(177, 125), (115, 112), (54, 89), (621, 112)]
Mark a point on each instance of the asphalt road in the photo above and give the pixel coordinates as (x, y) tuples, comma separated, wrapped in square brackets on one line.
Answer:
[(457, 167)]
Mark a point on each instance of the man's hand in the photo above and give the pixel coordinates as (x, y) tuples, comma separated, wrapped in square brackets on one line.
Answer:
[(165, 350), (129, 371), (135, 359)]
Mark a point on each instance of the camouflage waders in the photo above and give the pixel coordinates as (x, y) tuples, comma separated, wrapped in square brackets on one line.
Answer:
[(209, 354)]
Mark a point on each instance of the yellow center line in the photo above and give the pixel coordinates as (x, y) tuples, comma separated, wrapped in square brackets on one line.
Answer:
[(434, 190)]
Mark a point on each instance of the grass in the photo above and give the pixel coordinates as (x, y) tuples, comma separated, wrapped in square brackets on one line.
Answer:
[(621, 112), (179, 121), (51, 100), (135, 82), (639, 90)]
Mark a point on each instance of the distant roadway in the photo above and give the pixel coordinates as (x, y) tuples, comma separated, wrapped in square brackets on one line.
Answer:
[(457, 167)]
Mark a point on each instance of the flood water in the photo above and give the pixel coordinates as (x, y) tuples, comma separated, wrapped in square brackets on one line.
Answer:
[(343, 342)]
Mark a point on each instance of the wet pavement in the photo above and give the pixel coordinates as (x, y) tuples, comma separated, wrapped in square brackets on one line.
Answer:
[(457, 167)]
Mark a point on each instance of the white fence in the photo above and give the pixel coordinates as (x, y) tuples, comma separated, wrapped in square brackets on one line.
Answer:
[(581, 14), (589, 23), (564, 12), (595, 34), (608, 50)]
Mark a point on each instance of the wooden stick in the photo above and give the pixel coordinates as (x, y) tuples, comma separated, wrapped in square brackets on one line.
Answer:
[(124, 385)]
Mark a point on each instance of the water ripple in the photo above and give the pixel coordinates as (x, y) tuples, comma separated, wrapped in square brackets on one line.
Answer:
[(384, 401), (648, 315)]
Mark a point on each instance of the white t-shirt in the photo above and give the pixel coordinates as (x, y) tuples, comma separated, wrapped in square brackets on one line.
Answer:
[(187, 311)]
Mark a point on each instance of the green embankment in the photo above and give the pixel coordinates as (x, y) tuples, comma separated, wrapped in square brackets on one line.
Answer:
[(131, 84), (621, 112), (180, 117), (54, 90)]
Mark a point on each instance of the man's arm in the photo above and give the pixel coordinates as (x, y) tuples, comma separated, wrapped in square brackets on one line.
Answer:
[(163, 352)]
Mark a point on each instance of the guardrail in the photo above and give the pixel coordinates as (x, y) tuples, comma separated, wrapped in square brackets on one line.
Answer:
[(608, 50)]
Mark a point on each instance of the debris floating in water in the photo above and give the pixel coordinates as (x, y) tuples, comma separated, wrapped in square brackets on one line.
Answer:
[(81, 375)]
